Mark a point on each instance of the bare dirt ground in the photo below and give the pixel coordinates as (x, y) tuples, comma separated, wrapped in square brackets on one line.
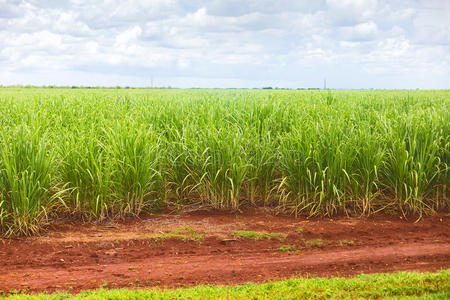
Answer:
[(201, 248)]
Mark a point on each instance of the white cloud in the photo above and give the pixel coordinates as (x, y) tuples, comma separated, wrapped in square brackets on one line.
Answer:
[(360, 32), (351, 12), (10, 9), (432, 26), (354, 43), (128, 35)]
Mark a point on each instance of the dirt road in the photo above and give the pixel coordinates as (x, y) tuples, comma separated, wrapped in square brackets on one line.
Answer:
[(202, 247)]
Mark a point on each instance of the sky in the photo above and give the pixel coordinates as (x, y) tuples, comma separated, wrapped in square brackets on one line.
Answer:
[(393, 44)]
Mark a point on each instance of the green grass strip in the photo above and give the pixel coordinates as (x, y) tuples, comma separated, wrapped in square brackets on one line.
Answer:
[(260, 235), (401, 285)]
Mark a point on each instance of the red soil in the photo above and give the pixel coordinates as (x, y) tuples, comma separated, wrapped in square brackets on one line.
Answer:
[(78, 257)]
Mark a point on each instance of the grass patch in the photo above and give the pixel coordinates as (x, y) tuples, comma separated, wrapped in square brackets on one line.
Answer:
[(260, 235), (186, 234), (299, 229), (402, 284), (346, 243), (286, 248), (315, 243)]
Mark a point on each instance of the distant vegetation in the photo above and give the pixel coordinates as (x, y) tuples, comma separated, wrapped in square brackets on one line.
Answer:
[(104, 153)]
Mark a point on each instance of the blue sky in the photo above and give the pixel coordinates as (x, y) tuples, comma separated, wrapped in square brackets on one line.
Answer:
[(236, 43)]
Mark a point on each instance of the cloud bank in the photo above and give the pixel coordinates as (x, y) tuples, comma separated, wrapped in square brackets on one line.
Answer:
[(253, 43)]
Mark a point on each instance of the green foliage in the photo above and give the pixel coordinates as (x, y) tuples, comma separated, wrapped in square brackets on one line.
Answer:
[(315, 243), (186, 234), (136, 178), (299, 229), (286, 248), (110, 153), (26, 164), (397, 285), (260, 235), (346, 243)]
